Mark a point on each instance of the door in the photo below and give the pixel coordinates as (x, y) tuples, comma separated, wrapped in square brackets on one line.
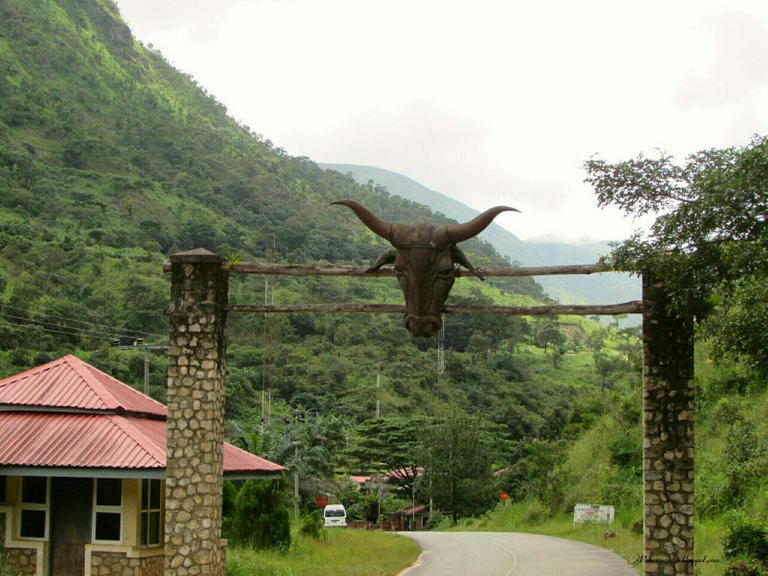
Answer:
[(71, 501)]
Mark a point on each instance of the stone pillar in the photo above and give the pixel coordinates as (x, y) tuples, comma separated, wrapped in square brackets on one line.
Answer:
[(667, 435), (194, 464)]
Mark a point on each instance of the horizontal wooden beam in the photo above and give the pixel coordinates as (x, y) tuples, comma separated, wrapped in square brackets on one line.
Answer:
[(347, 270), (632, 307)]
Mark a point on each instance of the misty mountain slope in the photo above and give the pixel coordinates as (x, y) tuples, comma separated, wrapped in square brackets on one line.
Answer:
[(605, 288)]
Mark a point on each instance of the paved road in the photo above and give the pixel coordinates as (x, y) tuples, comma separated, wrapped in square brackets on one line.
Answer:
[(510, 554)]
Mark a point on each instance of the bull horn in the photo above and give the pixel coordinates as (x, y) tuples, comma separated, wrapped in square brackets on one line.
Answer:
[(375, 225), (460, 232)]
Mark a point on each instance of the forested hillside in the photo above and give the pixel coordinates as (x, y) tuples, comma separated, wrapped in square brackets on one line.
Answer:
[(110, 160)]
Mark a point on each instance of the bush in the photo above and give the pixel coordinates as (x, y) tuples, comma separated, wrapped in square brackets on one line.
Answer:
[(314, 526), (746, 539), (536, 513), (261, 519), (740, 568)]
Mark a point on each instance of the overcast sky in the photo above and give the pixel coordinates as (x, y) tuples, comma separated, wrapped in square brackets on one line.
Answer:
[(487, 101)]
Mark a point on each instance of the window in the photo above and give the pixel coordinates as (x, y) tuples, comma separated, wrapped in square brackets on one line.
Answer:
[(108, 510), (34, 507), (150, 512), (3, 484)]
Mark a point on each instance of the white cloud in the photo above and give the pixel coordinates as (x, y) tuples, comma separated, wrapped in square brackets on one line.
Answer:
[(488, 101)]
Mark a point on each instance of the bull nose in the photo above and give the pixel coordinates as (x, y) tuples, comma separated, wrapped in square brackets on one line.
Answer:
[(422, 326)]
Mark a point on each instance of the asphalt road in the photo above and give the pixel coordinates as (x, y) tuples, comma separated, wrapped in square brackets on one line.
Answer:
[(510, 554)]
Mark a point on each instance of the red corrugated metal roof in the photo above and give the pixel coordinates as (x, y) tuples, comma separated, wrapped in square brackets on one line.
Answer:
[(38, 431), (71, 383), (100, 441)]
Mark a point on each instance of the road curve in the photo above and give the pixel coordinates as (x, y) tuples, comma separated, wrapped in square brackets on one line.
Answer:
[(510, 554)]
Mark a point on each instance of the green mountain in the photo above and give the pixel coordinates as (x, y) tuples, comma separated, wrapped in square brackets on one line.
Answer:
[(110, 160), (595, 289)]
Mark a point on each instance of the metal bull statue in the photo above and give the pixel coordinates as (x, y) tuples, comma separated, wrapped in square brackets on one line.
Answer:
[(424, 258)]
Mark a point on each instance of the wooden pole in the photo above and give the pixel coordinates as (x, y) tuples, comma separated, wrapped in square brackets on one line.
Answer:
[(632, 307), (346, 270)]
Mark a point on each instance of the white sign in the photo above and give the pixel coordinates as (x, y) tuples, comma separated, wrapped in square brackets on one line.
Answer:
[(583, 513)]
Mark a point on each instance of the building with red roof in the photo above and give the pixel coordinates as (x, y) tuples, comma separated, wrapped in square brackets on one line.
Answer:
[(82, 468)]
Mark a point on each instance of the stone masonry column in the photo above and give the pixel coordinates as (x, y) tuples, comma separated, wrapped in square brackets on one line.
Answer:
[(194, 465), (667, 435)]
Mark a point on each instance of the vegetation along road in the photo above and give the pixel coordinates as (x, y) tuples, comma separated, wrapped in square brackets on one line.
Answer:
[(510, 553)]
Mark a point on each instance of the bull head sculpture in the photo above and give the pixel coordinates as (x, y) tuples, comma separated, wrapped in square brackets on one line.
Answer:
[(424, 258)]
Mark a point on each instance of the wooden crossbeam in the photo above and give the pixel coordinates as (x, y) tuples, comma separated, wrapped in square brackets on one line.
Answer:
[(268, 269), (632, 307)]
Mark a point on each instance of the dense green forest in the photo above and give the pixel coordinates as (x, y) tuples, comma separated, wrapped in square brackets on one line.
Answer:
[(110, 160)]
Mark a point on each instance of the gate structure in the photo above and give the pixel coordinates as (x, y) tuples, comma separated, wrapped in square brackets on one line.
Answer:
[(196, 368)]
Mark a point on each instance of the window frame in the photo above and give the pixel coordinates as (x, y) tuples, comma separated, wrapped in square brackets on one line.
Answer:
[(106, 509), (35, 507), (145, 513)]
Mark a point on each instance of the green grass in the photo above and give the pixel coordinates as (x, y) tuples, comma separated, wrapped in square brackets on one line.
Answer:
[(344, 553)]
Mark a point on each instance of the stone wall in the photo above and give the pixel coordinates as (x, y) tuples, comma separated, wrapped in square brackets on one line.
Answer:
[(118, 564), (667, 435), (195, 398)]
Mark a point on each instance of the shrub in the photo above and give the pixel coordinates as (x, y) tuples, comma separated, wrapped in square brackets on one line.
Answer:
[(740, 568), (536, 513), (261, 519), (314, 526), (746, 539)]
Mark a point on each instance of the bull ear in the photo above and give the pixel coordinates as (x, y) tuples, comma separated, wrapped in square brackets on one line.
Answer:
[(378, 227), (460, 258), (386, 257), (460, 232)]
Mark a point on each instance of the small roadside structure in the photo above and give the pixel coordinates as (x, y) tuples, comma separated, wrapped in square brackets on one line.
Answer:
[(82, 473), (411, 518)]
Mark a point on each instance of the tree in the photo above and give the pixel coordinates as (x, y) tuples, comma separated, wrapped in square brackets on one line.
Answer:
[(709, 241), (546, 334), (457, 453), (261, 519)]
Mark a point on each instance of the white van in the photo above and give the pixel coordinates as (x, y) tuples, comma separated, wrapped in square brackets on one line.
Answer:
[(335, 515)]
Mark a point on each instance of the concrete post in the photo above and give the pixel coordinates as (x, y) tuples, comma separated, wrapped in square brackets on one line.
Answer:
[(667, 435), (195, 396)]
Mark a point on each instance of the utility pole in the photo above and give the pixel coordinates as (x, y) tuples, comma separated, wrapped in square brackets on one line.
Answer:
[(139, 345), (378, 393)]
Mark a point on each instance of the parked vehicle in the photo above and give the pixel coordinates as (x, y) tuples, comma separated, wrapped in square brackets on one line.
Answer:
[(335, 515)]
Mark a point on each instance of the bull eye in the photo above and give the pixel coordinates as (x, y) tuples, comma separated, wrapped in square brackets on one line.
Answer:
[(446, 272)]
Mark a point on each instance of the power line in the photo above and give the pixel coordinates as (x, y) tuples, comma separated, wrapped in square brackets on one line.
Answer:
[(125, 331), (72, 332)]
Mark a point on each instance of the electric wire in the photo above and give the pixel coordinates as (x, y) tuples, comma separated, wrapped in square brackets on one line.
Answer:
[(125, 332)]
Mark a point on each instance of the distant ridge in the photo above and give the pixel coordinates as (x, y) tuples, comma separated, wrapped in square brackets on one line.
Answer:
[(594, 289)]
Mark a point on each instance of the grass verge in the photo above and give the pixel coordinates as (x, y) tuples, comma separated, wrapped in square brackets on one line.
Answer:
[(532, 517), (344, 553)]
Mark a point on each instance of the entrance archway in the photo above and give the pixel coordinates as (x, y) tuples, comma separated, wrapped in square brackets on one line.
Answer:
[(198, 315)]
